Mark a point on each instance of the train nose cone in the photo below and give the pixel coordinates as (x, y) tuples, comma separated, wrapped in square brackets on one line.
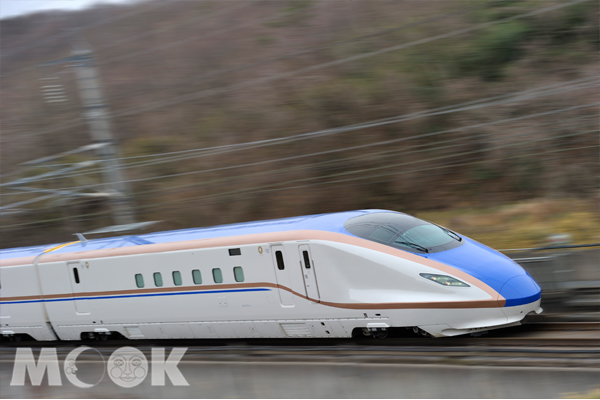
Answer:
[(520, 290)]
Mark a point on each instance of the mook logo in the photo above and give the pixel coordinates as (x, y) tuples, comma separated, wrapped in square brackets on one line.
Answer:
[(126, 367)]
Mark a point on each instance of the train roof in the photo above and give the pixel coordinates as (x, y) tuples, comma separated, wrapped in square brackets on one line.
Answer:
[(333, 222)]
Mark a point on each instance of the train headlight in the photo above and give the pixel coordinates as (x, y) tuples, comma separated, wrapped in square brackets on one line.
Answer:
[(444, 280)]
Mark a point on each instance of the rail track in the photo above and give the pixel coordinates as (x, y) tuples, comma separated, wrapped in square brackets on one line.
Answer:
[(480, 355), (563, 326), (548, 357), (539, 344), (532, 334)]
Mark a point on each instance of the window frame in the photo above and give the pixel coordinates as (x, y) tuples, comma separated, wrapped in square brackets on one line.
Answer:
[(156, 282), (217, 270), (194, 277), (137, 282), (178, 278), (235, 274)]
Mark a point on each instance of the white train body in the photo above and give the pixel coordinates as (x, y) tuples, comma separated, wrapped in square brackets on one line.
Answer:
[(283, 278)]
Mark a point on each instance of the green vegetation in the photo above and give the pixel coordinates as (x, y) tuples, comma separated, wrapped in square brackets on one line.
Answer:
[(497, 46)]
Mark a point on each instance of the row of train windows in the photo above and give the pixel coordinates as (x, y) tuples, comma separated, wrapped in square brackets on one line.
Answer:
[(238, 274)]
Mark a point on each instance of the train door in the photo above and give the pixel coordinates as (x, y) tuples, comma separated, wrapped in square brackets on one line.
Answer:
[(282, 274), (308, 272), (79, 283)]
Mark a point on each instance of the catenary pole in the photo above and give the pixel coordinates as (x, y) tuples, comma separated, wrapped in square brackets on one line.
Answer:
[(96, 113)]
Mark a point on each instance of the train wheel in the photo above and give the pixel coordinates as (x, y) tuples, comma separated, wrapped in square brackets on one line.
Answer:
[(379, 334)]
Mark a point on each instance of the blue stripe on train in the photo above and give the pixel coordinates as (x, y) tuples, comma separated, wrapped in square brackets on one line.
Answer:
[(135, 295)]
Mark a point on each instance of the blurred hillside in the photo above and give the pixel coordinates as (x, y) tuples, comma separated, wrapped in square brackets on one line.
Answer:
[(422, 106)]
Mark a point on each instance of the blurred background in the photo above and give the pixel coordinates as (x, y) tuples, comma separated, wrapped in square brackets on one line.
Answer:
[(478, 115), (481, 116)]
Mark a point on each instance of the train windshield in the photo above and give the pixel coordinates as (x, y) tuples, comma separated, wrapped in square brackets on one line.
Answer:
[(403, 232)]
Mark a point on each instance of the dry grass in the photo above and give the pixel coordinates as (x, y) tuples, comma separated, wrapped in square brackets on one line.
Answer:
[(524, 224), (592, 394)]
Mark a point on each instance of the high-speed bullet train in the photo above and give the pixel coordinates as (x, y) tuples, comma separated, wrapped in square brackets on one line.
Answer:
[(329, 275)]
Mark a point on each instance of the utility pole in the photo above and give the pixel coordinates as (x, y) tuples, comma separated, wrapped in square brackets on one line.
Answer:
[(104, 145), (95, 111)]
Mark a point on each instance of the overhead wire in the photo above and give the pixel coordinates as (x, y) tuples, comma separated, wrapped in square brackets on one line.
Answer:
[(322, 186), (247, 196), (429, 147), (291, 158), (202, 154), (386, 142), (551, 138), (367, 125), (254, 189), (389, 120), (347, 161), (267, 188), (583, 83)]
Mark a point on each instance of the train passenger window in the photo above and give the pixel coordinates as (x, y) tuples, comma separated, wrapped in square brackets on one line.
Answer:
[(158, 279), (238, 272), (139, 280), (197, 276), (177, 278), (279, 258), (217, 275), (76, 275)]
